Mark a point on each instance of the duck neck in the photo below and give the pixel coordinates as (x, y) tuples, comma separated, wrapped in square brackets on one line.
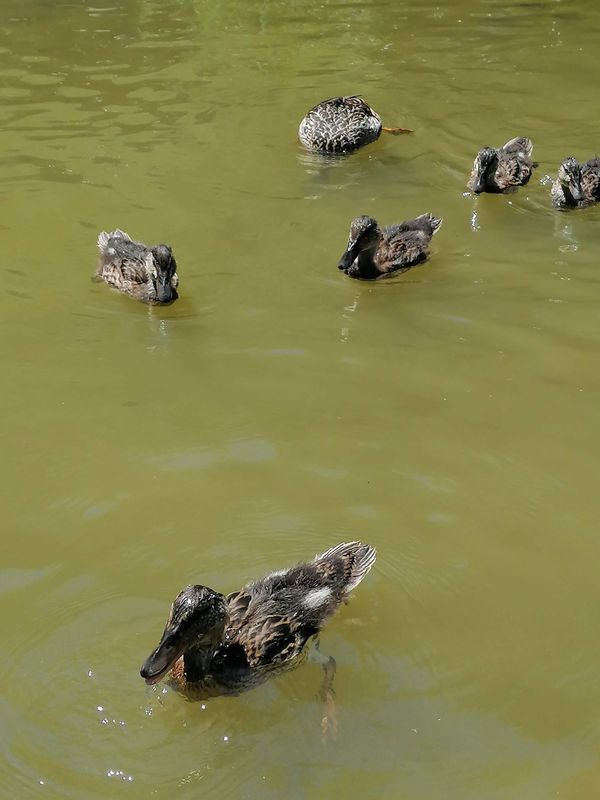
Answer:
[(489, 175), (196, 663), (561, 195), (569, 199), (365, 262), (197, 659)]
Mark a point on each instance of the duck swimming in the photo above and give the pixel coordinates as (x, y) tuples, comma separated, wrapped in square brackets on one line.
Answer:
[(502, 169), (373, 252), (576, 185), (215, 644), (341, 125), (145, 273)]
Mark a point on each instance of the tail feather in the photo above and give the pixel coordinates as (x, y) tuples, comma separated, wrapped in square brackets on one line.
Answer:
[(429, 223), (104, 236), (519, 144), (102, 242), (359, 557)]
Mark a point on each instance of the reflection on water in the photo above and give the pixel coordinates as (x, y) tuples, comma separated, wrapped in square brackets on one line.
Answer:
[(447, 416)]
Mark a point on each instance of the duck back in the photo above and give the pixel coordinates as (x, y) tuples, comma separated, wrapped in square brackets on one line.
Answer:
[(339, 125)]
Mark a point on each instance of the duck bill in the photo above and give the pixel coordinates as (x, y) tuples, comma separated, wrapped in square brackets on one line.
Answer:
[(159, 662), (349, 256), (164, 291)]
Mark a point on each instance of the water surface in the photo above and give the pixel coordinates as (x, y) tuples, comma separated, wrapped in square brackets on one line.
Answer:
[(449, 417)]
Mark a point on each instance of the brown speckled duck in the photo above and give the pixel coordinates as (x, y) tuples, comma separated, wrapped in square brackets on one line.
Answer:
[(214, 644), (145, 273), (502, 169), (373, 252), (576, 185), (341, 125)]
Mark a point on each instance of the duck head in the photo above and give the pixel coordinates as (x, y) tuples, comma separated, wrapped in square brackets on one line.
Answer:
[(166, 277), (195, 625), (364, 235), (484, 166), (569, 178)]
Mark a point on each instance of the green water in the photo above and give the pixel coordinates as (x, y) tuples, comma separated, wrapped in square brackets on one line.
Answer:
[(448, 417)]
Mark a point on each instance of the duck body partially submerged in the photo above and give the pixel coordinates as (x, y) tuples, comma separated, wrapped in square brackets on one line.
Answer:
[(214, 644), (148, 274), (342, 125), (373, 252), (502, 169), (576, 185)]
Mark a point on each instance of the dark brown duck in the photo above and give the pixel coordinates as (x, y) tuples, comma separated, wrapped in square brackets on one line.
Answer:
[(342, 125), (214, 644), (502, 169), (146, 273), (373, 252), (576, 185)]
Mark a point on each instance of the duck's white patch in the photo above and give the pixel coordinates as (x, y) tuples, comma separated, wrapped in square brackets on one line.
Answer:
[(317, 597), (278, 573)]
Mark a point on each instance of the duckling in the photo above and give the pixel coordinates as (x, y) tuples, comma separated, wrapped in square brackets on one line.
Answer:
[(342, 125), (373, 252), (504, 168), (576, 185), (214, 644), (147, 274)]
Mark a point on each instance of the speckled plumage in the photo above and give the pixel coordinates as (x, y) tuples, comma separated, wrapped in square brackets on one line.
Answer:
[(502, 169), (221, 645), (576, 185), (341, 125), (373, 252), (146, 273)]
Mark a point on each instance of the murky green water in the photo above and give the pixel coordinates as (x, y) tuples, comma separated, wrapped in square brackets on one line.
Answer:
[(448, 417)]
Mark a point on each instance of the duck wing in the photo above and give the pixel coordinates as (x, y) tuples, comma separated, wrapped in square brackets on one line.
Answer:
[(273, 639), (104, 238), (520, 144), (402, 247), (122, 259), (119, 244), (514, 163), (265, 637), (513, 171), (590, 179), (426, 223), (237, 608), (273, 618)]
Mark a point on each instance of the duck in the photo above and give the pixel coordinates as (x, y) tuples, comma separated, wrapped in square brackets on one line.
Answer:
[(341, 125), (502, 169), (146, 273), (373, 252), (215, 644), (576, 185)]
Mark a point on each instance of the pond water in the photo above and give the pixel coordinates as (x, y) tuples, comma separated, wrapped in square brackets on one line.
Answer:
[(448, 417)]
